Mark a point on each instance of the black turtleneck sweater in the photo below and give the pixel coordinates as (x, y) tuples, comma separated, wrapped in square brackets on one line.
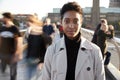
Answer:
[(72, 47)]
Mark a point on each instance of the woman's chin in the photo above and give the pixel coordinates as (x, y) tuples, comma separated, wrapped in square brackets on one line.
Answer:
[(71, 36)]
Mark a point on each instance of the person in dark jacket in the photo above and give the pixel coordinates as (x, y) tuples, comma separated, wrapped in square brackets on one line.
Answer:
[(48, 28), (102, 35), (108, 54), (94, 39), (101, 38)]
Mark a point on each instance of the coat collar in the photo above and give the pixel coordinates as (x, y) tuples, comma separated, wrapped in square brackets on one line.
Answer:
[(83, 45)]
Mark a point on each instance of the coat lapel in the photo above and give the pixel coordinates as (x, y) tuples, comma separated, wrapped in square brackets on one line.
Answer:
[(82, 56), (61, 58)]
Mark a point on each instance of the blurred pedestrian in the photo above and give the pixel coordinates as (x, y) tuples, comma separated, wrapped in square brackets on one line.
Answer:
[(37, 42), (56, 36), (102, 21), (111, 35), (55, 28), (11, 44), (48, 28), (104, 33), (101, 38)]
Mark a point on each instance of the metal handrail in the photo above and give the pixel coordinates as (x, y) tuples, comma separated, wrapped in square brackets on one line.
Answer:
[(115, 41)]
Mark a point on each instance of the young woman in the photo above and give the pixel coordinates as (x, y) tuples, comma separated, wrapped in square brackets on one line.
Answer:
[(73, 57)]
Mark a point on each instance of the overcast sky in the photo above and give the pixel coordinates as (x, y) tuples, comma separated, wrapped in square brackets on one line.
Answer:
[(41, 7)]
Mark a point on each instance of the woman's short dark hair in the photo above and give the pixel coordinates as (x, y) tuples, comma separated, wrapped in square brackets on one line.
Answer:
[(71, 6), (8, 15)]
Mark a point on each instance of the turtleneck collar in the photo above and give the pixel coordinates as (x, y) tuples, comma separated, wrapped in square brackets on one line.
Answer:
[(76, 40)]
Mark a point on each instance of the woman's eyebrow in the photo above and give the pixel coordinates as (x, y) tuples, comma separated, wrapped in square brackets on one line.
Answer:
[(67, 18), (73, 18), (76, 19)]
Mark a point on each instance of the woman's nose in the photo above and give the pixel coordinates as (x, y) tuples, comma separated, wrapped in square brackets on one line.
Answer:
[(71, 25)]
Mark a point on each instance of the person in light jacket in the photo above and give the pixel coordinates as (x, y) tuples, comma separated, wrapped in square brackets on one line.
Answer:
[(73, 57)]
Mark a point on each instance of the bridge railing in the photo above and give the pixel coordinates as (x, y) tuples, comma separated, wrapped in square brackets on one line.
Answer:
[(113, 43)]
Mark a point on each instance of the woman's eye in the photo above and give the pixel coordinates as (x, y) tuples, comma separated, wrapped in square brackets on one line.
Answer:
[(67, 21), (75, 21)]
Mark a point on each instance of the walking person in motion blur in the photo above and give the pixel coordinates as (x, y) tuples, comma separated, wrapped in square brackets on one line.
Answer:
[(11, 44), (37, 42)]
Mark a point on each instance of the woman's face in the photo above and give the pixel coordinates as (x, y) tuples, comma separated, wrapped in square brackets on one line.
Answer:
[(71, 23)]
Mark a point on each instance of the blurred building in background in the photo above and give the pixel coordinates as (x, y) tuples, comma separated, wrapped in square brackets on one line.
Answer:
[(19, 20), (114, 3), (111, 14)]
